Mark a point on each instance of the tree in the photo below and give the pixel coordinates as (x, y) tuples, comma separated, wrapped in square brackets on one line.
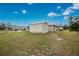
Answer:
[(9, 27), (2, 26), (65, 27), (73, 23)]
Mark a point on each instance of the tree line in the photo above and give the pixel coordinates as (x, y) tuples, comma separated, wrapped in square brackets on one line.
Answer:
[(8, 26), (4, 26), (73, 24)]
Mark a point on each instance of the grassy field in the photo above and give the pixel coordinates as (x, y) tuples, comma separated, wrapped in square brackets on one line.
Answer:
[(28, 44)]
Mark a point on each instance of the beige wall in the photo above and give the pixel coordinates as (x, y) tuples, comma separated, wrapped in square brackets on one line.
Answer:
[(51, 28), (39, 28), (36, 28), (45, 28)]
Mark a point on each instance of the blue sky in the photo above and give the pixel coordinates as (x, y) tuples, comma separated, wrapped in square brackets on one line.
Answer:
[(27, 13)]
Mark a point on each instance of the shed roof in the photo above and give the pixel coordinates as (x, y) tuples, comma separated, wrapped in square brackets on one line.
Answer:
[(39, 23)]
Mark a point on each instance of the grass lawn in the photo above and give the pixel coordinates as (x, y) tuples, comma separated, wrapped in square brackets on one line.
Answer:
[(25, 43)]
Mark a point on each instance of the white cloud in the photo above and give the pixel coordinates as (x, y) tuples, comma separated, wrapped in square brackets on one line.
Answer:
[(71, 9), (58, 7), (67, 12), (24, 11), (75, 6), (52, 14), (15, 12)]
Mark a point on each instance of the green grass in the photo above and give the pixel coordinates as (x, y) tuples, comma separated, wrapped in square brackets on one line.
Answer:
[(70, 42), (25, 43)]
